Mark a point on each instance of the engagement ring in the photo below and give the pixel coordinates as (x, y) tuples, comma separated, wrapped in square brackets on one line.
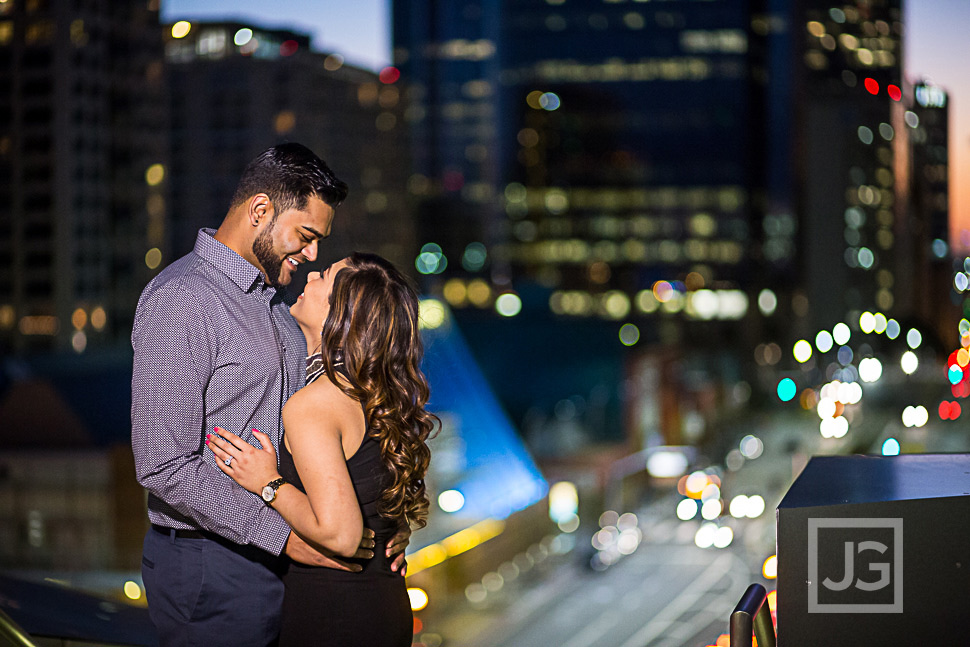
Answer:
[(227, 461)]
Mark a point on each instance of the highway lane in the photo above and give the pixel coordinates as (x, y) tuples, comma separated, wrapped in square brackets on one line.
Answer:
[(668, 593)]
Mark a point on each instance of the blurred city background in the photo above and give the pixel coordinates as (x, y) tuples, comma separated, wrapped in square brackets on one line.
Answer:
[(668, 250)]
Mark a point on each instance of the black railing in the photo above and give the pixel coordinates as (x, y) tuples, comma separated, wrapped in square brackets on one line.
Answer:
[(752, 615)]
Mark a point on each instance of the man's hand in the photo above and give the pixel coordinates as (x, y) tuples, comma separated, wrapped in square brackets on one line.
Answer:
[(395, 549), (302, 552)]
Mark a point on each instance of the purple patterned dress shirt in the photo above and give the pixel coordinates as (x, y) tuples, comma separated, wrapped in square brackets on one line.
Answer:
[(214, 346)]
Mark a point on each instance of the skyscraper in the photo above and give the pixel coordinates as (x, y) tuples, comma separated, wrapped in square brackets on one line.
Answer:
[(236, 89), (848, 191), (936, 291), (81, 122), (598, 148)]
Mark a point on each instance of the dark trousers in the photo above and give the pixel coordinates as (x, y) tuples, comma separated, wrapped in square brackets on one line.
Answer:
[(210, 592)]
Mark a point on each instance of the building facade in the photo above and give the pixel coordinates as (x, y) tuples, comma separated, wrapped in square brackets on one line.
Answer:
[(237, 89), (81, 87)]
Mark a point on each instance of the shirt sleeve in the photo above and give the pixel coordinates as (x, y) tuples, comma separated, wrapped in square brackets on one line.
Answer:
[(175, 355)]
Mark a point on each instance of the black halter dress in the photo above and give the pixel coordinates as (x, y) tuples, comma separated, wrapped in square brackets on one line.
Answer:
[(324, 606)]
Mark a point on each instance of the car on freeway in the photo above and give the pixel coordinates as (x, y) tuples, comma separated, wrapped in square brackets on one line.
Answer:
[(49, 614)]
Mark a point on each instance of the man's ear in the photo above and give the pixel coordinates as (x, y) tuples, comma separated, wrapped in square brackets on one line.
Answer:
[(260, 209)]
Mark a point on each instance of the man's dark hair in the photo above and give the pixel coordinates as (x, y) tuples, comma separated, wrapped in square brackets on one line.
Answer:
[(289, 174)]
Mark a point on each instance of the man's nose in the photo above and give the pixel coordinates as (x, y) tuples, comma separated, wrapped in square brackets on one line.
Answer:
[(310, 251)]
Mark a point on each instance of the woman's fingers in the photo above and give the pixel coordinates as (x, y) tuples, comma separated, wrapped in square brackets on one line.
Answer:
[(224, 445), (230, 437), (265, 442), (221, 455)]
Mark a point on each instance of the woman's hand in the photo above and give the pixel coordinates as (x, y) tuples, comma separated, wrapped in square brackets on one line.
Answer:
[(249, 467)]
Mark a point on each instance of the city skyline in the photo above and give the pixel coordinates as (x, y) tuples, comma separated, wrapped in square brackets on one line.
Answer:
[(362, 35)]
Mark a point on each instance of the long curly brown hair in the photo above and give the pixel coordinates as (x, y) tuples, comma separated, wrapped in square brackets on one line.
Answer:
[(372, 328)]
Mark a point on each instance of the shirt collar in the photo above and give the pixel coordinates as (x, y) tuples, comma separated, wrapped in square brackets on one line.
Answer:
[(243, 273)]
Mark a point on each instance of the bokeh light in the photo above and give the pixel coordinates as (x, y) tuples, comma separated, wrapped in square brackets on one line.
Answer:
[(474, 257), (431, 260), (389, 75), (787, 389), (767, 302), (723, 537), (154, 174), (629, 334), (242, 36), (549, 101), (739, 506), (909, 362), (824, 341), (770, 568), (890, 447), (802, 351), (686, 509), (508, 304), (841, 333), (563, 501), (431, 313), (954, 374), (704, 537), (153, 258), (893, 329), (870, 369), (915, 416), (132, 590), (99, 318), (451, 500), (181, 29), (914, 338), (418, 598), (711, 509), (751, 447)]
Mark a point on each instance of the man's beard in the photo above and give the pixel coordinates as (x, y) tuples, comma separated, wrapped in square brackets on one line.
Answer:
[(267, 257)]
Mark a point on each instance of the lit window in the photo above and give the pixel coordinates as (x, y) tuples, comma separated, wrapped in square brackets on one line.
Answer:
[(39, 33)]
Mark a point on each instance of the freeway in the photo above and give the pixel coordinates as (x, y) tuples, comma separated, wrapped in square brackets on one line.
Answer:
[(667, 593)]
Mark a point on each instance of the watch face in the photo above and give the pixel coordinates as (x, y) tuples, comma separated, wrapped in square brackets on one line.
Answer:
[(269, 493)]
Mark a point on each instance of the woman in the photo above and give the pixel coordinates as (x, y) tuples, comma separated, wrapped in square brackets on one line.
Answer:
[(354, 453)]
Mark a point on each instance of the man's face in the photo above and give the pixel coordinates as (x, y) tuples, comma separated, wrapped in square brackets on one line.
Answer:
[(291, 238)]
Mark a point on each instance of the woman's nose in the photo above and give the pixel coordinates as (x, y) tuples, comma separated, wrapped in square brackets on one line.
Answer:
[(312, 276)]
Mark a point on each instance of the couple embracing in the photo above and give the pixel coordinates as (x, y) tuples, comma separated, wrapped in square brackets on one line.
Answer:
[(283, 447)]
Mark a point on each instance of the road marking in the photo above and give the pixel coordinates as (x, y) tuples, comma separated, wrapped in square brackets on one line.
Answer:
[(594, 631), (679, 605)]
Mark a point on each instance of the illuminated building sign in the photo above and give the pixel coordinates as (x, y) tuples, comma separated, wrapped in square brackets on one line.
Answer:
[(930, 96)]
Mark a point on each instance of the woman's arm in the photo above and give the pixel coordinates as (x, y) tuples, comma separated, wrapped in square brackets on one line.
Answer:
[(328, 515)]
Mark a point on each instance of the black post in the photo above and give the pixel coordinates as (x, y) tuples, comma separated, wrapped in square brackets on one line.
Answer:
[(752, 614)]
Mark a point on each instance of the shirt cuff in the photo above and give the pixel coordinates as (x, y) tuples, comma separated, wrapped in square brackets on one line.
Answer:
[(271, 532)]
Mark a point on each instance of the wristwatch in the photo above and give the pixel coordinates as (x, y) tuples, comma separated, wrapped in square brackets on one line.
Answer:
[(269, 491)]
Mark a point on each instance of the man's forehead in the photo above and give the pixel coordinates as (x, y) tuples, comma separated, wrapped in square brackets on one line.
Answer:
[(317, 217)]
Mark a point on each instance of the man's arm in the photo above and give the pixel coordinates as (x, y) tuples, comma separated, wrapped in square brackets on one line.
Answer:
[(175, 347), (300, 551)]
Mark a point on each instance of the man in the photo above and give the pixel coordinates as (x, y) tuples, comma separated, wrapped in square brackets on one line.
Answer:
[(215, 346)]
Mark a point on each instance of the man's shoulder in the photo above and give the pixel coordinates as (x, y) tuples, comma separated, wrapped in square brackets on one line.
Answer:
[(187, 285), (191, 273)]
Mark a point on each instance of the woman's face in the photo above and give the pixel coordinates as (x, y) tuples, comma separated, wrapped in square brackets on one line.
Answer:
[(313, 306)]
